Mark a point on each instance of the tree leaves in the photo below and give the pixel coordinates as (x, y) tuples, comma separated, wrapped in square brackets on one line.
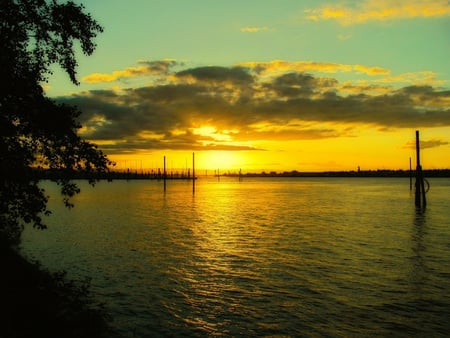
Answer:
[(36, 131)]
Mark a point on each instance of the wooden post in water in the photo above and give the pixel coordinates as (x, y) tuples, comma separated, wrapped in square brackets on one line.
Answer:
[(420, 199), (410, 174), (164, 173), (193, 173)]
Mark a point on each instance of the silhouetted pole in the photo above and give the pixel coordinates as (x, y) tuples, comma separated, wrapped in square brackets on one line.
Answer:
[(420, 198), (164, 173), (410, 174), (193, 172)]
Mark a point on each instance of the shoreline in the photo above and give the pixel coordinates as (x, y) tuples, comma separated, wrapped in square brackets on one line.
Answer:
[(38, 303), (133, 175)]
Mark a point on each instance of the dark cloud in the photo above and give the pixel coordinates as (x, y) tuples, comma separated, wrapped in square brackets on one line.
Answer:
[(235, 75), (293, 85), (289, 106), (175, 143), (289, 134), (161, 66), (396, 110), (145, 68), (424, 144)]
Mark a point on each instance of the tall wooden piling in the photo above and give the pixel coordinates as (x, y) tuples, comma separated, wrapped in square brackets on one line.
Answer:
[(420, 198), (410, 174), (164, 173), (193, 173)]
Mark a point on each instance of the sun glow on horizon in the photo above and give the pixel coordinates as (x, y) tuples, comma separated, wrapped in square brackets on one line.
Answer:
[(334, 99), (368, 151)]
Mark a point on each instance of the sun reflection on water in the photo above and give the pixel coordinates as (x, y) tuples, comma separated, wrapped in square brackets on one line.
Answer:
[(258, 257)]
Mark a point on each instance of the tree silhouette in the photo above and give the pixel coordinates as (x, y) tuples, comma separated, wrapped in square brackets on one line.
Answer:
[(35, 131)]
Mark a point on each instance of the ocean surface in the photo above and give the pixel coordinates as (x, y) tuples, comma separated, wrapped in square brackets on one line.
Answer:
[(266, 257)]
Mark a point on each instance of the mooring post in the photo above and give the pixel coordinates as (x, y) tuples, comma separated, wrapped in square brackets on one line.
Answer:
[(420, 198), (164, 173), (410, 174), (193, 173)]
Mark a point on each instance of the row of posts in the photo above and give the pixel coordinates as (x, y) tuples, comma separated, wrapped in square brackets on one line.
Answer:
[(420, 193), (193, 173)]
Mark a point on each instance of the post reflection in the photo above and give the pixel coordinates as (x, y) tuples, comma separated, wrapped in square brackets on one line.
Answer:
[(418, 262)]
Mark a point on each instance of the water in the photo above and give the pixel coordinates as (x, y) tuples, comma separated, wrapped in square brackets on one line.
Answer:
[(263, 257)]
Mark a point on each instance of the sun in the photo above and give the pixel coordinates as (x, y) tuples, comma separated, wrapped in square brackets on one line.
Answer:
[(223, 160)]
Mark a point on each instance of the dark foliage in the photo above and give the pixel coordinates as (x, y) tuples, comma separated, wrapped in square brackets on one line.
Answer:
[(37, 303), (36, 131)]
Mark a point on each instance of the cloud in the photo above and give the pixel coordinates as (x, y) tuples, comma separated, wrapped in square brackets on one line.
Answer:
[(145, 68), (343, 37), (370, 70), (234, 108), (363, 87), (307, 66), (433, 143), (422, 78), (379, 10), (212, 74), (299, 85), (254, 29)]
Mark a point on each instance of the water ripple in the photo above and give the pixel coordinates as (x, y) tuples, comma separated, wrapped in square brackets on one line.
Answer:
[(275, 258)]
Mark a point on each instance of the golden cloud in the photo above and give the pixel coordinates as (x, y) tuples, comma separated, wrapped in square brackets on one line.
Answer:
[(305, 66), (146, 68), (299, 66), (117, 74), (380, 10), (363, 87), (371, 70), (219, 105), (252, 29), (433, 143), (414, 78)]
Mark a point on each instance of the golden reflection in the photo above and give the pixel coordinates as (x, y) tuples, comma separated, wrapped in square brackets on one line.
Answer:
[(418, 266), (226, 243), (218, 240)]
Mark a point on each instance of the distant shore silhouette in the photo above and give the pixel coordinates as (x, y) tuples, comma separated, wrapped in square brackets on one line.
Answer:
[(155, 175)]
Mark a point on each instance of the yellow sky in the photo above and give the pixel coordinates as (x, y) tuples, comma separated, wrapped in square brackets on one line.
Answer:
[(368, 151), (307, 86)]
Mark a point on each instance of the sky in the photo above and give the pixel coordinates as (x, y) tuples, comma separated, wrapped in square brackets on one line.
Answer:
[(266, 85)]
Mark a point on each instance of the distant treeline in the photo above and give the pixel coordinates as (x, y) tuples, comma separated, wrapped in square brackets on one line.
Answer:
[(362, 173), (53, 174), (158, 175)]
